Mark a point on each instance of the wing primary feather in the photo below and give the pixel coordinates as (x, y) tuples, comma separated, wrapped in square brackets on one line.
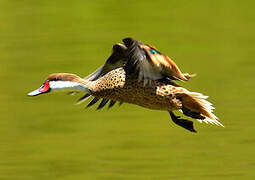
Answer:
[(150, 64), (95, 75), (102, 104), (83, 98), (115, 60), (92, 102), (111, 104)]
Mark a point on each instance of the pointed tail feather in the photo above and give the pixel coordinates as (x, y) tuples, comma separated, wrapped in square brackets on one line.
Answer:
[(197, 103)]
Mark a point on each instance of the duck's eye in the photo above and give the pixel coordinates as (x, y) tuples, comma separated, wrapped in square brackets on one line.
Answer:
[(55, 79)]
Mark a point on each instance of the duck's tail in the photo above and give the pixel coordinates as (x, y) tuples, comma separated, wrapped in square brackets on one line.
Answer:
[(196, 106)]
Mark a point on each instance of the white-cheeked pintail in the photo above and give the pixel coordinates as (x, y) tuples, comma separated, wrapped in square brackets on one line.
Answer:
[(137, 73)]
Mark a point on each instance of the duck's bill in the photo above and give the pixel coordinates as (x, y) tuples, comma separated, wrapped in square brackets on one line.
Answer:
[(38, 92), (35, 92), (45, 88)]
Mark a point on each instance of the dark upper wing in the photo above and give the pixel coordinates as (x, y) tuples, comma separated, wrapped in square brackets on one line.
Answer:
[(117, 59), (150, 64)]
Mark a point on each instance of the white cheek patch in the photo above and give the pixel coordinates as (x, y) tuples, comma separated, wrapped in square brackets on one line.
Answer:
[(66, 85)]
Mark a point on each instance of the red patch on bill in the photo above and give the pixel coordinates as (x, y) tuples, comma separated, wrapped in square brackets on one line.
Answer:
[(45, 87)]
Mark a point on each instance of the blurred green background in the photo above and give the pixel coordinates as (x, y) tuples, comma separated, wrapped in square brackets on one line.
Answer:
[(47, 137)]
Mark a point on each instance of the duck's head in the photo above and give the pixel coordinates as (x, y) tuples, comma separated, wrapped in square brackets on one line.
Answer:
[(60, 81)]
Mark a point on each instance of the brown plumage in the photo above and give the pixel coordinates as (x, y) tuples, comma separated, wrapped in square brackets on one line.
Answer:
[(137, 73)]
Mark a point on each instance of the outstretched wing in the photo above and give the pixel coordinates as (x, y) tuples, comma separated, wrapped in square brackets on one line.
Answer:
[(150, 64), (117, 59)]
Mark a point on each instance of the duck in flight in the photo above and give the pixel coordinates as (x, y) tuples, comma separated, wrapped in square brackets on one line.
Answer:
[(137, 73)]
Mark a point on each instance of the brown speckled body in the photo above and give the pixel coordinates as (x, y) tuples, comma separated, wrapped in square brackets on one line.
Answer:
[(136, 73), (116, 85)]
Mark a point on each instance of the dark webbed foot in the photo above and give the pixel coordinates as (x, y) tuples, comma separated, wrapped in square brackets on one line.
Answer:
[(194, 115), (182, 122)]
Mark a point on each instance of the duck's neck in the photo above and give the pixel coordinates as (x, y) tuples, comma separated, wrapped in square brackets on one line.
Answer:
[(78, 84)]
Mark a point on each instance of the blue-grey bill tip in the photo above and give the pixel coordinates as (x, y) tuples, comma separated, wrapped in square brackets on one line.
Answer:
[(34, 93)]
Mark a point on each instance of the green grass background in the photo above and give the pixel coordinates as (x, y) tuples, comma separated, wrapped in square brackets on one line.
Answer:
[(47, 137)]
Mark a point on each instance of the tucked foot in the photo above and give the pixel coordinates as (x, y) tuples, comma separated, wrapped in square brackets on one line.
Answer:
[(182, 122), (194, 115)]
